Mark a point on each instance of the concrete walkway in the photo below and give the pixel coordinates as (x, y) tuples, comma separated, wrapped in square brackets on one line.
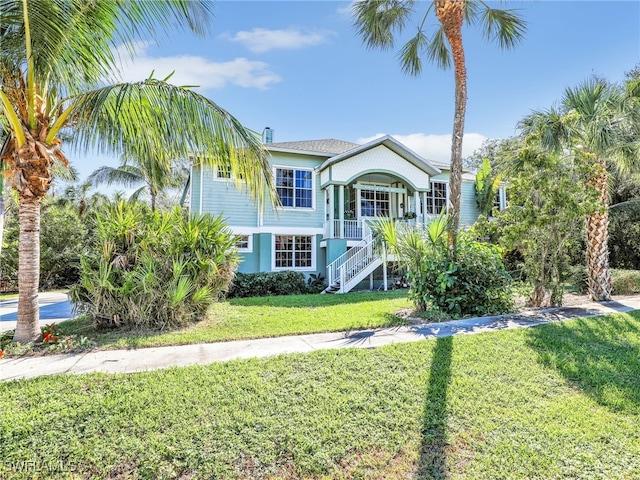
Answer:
[(136, 360)]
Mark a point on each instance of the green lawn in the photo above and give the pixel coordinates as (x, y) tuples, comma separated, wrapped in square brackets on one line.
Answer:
[(551, 402), (264, 317)]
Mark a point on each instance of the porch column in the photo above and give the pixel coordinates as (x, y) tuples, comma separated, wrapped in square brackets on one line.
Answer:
[(416, 204), (424, 207), (331, 212), (341, 209)]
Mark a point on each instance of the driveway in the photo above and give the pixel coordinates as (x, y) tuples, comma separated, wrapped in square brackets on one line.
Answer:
[(54, 307)]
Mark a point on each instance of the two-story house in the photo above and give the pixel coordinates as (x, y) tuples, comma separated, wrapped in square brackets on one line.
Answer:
[(330, 191)]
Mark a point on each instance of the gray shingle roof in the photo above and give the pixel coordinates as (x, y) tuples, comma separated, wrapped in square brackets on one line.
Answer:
[(328, 145)]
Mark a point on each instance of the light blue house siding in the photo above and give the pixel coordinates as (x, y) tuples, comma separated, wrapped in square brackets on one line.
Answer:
[(350, 184)]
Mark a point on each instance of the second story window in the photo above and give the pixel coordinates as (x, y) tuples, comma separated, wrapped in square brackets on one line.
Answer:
[(223, 171), (295, 187)]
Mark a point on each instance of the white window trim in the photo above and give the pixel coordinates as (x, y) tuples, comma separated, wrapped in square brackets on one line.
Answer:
[(430, 196), (313, 187), (249, 248), (359, 200), (230, 178), (314, 253)]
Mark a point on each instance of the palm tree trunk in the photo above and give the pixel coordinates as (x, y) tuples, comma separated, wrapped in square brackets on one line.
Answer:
[(597, 231), (451, 14), (2, 207), (28, 328)]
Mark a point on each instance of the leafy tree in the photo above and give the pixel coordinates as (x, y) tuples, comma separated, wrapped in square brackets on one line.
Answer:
[(64, 237), (493, 149), (545, 218), (55, 56), (378, 21), (592, 124)]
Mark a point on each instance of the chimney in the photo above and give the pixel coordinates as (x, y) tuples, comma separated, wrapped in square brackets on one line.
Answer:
[(267, 135)]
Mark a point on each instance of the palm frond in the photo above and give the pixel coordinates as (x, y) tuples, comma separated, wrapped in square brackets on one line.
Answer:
[(504, 27), (164, 122), (72, 40), (410, 55), (376, 21), (437, 50), (125, 175)]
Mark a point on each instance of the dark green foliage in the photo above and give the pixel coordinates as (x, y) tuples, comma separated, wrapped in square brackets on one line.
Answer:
[(152, 269), (472, 282), (263, 284), (63, 240), (625, 282), (316, 283), (624, 235), (544, 222)]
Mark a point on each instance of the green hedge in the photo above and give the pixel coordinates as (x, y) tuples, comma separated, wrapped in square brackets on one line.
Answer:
[(263, 284), (625, 282)]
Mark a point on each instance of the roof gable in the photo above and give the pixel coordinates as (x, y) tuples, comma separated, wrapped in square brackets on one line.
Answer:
[(393, 145)]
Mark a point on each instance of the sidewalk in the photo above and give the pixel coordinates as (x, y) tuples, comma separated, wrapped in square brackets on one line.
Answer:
[(126, 361)]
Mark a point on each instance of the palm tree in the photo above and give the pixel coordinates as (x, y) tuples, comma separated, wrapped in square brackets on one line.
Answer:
[(377, 21), (54, 59), (591, 123), (151, 174)]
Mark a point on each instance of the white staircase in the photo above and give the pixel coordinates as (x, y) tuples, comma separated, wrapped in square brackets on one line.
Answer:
[(353, 266)]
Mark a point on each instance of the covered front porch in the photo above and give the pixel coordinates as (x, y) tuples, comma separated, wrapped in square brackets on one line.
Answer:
[(351, 209), (380, 179)]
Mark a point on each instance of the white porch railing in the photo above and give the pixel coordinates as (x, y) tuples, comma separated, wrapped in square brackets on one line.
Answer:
[(344, 269), (347, 229)]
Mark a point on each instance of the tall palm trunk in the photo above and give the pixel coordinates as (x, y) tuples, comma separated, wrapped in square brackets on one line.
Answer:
[(597, 231), (2, 207), (28, 328), (451, 14)]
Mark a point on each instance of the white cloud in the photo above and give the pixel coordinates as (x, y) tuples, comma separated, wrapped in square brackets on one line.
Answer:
[(260, 40), (434, 147), (196, 71), (346, 10)]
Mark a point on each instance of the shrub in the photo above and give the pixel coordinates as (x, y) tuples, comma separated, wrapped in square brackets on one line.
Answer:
[(625, 282), (472, 280), (154, 269), (624, 235), (264, 284)]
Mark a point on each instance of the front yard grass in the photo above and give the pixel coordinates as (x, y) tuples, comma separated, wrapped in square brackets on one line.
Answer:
[(550, 402), (258, 317)]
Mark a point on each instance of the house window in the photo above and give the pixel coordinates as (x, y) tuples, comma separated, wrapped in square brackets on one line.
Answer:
[(295, 187), (437, 198), (223, 171), (244, 243), (374, 203), (293, 251), (500, 202)]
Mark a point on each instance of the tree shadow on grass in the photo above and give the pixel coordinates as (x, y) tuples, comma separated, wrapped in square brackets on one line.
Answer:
[(434, 429), (600, 356)]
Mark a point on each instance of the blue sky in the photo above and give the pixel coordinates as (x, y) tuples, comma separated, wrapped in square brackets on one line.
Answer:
[(299, 68)]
